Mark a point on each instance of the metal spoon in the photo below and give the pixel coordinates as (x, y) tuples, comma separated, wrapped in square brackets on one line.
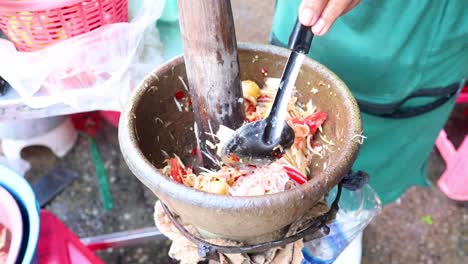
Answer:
[(261, 141)]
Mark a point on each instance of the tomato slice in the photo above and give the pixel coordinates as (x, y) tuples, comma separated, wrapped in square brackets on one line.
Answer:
[(315, 120)]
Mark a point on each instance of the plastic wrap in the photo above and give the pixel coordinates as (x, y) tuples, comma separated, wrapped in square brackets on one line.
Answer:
[(357, 209), (97, 69)]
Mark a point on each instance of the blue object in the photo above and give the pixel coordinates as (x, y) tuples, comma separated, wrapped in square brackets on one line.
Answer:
[(21, 190), (334, 246), (357, 209)]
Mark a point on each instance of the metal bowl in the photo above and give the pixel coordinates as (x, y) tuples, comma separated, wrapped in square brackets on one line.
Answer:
[(143, 138)]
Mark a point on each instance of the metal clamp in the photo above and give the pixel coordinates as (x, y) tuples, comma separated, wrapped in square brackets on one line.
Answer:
[(210, 250)]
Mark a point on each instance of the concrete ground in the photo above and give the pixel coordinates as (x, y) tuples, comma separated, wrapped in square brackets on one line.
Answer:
[(397, 235)]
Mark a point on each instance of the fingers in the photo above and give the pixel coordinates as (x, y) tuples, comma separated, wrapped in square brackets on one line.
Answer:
[(351, 6), (321, 14), (310, 11), (332, 11)]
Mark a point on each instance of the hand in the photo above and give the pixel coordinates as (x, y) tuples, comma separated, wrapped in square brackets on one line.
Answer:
[(321, 14)]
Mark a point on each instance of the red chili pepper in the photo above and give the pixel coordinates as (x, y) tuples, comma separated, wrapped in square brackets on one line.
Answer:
[(250, 108), (295, 175), (234, 157), (277, 153), (175, 170), (249, 111), (264, 71), (194, 151), (315, 120), (237, 178), (182, 170), (296, 120), (179, 95)]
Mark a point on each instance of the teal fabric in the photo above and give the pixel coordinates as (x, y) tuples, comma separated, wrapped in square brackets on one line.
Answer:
[(169, 30), (384, 50)]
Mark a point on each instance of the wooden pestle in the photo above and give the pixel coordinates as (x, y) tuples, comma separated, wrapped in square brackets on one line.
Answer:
[(212, 66)]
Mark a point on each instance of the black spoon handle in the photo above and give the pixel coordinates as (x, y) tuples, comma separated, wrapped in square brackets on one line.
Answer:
[(301, 38), (299, 42)]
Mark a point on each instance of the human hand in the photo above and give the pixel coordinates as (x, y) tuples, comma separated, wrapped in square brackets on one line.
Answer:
[(321, 14)]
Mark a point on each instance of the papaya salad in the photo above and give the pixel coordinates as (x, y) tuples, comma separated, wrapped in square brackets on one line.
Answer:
[(5, 240), (290, 169)]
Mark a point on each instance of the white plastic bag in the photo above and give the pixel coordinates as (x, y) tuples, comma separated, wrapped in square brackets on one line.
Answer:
[(357, 209), (97, 69)]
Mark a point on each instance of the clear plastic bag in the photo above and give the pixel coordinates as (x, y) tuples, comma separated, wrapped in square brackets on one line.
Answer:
[(357, 209), (97, 69)]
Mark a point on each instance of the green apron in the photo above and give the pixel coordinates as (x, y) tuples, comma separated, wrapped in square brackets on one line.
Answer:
[(383, 51)]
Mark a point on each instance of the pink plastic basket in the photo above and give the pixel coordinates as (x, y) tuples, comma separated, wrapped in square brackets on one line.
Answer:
[(35, 24)]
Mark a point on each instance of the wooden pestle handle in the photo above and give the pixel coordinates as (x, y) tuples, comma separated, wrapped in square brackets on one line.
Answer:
[(212, 66)]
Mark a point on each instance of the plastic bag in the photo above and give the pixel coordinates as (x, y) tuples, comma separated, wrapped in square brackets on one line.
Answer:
[(96, 69), (19, 166), (357, 209)]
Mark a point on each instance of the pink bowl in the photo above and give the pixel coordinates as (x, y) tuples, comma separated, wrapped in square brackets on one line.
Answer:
[(10, 217)]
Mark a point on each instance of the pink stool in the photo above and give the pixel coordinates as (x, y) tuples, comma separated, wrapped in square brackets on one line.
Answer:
[(463, 97), (454, 180)]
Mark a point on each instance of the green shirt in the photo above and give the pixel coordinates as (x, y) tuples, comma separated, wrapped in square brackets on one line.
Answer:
[(384, 50)]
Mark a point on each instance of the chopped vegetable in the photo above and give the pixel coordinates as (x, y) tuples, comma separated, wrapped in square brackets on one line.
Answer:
[(278, 153), (427, 219), (315, 120), (291, 167), (176, 170), (179, 95), (194, 151), (250, 91), (234, 157), (5, 243), (295, 175), (217, 187)]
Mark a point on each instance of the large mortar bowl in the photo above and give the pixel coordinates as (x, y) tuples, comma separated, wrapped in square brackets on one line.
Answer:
[(143, 136)]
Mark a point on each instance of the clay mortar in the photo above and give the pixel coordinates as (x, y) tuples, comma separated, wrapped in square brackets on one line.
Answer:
[(250, 219)]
